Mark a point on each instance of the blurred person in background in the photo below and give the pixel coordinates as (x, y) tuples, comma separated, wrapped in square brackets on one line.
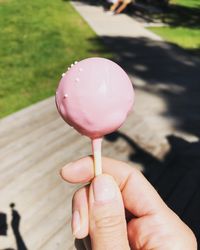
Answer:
[(119, 5)]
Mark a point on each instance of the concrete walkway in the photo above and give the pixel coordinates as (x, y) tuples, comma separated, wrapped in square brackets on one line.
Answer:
[(167, 83), (105, 24), (166, 78)]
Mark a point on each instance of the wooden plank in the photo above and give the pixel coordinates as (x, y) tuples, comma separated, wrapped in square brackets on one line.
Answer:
[(40, 170), (60, 240), (51, 223), (36, 152), (30, 159), (22, 122)]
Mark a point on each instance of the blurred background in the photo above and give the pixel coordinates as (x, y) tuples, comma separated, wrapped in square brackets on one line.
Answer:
[(157, 42)]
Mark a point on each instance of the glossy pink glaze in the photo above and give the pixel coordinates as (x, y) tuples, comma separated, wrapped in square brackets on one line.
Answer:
[(95, 96)]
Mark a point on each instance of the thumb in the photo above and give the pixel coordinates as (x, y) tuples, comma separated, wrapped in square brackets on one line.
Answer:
[(107, 216)]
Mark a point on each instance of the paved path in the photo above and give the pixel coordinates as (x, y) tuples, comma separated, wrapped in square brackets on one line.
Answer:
[(105, 24), (166, 78), (167, 82)]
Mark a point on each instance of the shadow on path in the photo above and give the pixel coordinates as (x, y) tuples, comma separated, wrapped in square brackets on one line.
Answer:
[(173, 14), (3, 224), (165, 70), (176, 178), (15, 223)]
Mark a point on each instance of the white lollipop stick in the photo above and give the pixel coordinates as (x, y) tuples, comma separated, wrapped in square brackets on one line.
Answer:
[(96, 149)]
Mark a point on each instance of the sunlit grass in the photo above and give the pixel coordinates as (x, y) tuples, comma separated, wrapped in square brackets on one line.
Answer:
[(184, 29), (38, 41), (187, 3), (184, 37)]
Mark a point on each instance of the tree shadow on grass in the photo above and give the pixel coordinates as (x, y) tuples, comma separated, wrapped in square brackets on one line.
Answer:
[(173, 15), (180, 16)]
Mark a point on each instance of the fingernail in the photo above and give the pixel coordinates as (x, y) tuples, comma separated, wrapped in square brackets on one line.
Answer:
[(76, 222), (104, 188), (68, 164), (65, 167)]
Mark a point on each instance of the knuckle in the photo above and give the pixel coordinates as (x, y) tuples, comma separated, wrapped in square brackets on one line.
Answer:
[(77, 196), (109, 222), (80, 193)]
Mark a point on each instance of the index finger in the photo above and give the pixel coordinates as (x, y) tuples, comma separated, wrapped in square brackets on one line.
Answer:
[(139, 196)]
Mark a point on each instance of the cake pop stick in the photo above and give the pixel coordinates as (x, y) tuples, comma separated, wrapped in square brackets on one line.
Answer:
[(96, 150), (95, 96)]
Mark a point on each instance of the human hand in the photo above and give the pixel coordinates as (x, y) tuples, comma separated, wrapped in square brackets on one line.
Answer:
[(98, 210)]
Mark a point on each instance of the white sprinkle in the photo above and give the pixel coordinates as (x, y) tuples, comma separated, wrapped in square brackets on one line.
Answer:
[(80, 69), (63, 74), (75, 62), (68, 68), (72, 65), (77, 80), (65, 95)]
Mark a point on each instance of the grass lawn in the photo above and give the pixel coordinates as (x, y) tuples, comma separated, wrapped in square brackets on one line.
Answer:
[(183, 18), (38, 41)]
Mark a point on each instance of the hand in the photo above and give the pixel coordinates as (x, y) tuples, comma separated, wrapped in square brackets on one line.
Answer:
[(98, 210)]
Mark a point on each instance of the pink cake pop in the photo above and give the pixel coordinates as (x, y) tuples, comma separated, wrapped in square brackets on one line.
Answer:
[(95, 96)]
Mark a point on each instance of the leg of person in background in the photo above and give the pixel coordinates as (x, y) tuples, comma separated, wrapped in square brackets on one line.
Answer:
[(123, 6), (115, 5)]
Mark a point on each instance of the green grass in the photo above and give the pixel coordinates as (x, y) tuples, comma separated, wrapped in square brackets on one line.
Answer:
[(183, 18), (184, 37), (187, 3), (38, 41)]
